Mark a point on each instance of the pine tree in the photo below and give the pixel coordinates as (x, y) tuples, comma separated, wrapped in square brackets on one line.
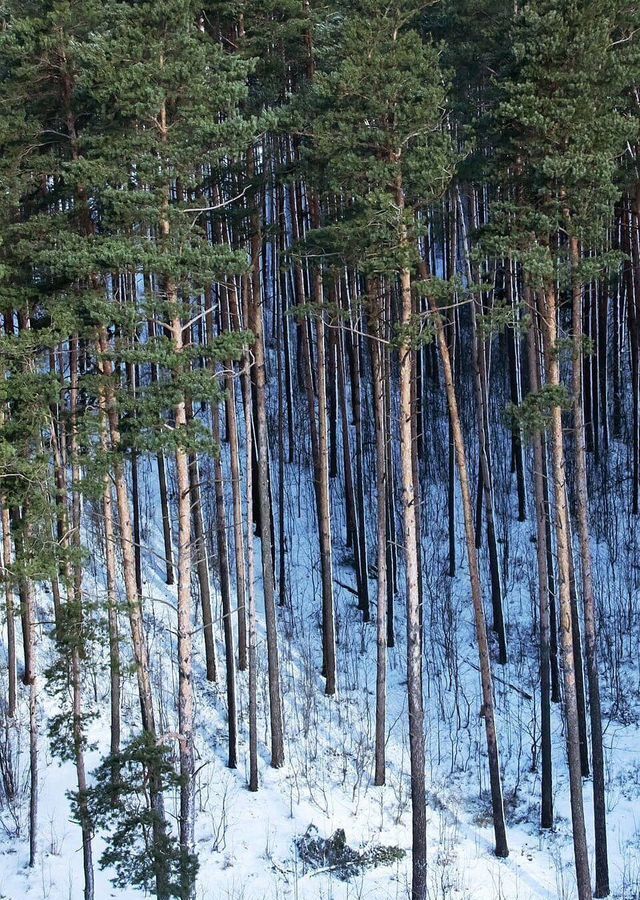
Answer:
[(561, 132), (376, 140)]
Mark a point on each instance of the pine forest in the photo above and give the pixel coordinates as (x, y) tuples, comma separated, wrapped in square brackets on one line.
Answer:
[(319, 449)]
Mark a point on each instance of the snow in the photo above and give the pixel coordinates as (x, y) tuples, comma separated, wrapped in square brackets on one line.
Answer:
[(245, 841)]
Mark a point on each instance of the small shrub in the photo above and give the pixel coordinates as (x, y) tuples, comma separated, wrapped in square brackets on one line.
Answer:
[(335, 854)]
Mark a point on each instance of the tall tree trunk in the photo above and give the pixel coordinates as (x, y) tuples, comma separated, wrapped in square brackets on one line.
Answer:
[(486, 482), (251, 595), (515, 386), (551, 579), (225, 591), (9, 610), (578, 662), (548, 315), (488, 709), (236, 490), (410, 534), (546, 811), (392, 562), (633, 313), (381, 491), (162, 475), (256, 325), (185, 613), (112, 614), (74, 626), (202, 564), (361, 531), (134, 606), (352, 536), (33, 730), (324, 517), (231, 320), (588, 594), (282, 534)]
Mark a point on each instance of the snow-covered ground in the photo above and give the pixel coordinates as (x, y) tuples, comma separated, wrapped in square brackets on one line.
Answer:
[(245, 841)]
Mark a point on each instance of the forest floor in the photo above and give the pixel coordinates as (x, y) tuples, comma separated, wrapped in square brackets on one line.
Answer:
[(245, 841)]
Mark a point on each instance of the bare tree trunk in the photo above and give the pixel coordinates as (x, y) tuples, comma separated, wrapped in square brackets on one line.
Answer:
[(282, 534), (588, 594), (515, 386), (202, 565), (225, 591), (231, 320), (236, 490), (131, 377), (361, 531), (578, 662), (162, 476), (11, 622), (551, 579), (546, 813), (633, 314), (140, 651), (392, 562), (134, 606), (30, 678), (328, 605), (488, 707), (414, 642), (185, 614), (485, 487), (73, 627), (251, 595), (352, 537), (548, 314), (381, 490), (33, 732), (256, 325), (112, 615)]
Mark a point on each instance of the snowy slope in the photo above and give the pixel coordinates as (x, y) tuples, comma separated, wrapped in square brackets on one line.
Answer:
[(245, 841)]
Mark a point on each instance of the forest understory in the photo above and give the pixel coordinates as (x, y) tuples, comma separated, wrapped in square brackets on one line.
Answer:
[(320, 449)]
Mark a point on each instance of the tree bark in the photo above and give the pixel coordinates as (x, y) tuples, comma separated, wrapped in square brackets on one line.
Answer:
[(546, 810), (588, 594), (225, 591), (381, 491), (414, 642), (488, 710), (548, 315), (256, 325), (9, 609), (252, 642), (202, 565)]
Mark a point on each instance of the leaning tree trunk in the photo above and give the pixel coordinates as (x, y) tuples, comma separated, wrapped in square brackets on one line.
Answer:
[(485, 486), (488, 707)]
